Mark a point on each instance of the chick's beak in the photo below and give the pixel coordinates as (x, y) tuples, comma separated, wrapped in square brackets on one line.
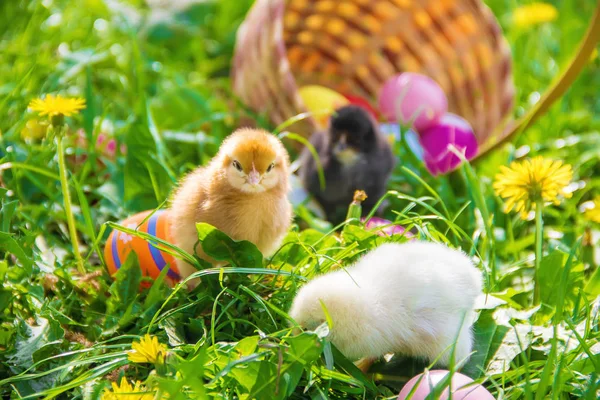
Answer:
[(254, 177)]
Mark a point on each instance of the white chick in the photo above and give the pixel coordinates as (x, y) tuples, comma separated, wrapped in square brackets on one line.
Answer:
[(409, 299)]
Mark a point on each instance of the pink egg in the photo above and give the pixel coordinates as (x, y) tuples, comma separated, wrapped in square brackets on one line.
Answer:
[(429, 379), (383, 227), (450, 130), (412, 99)]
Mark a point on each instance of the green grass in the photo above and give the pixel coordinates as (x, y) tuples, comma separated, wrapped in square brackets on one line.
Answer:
[(161, 86)]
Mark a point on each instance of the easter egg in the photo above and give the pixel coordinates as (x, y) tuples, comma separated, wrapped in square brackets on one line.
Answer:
[(321, 102), (450, 130), (412, 99), (383, 227), (460, 390), (362, 102), (151, 259)]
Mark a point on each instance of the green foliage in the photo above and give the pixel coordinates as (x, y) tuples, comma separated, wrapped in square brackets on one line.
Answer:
[(220, 247), (157, 80)]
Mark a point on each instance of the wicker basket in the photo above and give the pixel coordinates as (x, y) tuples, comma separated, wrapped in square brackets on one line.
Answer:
[(354, 46)]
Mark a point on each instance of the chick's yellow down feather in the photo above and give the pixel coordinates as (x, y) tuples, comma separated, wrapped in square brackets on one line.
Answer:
[(242, 192)]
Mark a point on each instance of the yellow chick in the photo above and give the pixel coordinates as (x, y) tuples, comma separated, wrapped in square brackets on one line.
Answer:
[(242, 192)]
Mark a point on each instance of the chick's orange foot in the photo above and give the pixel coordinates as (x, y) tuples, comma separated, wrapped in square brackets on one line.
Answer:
[(364, 364)]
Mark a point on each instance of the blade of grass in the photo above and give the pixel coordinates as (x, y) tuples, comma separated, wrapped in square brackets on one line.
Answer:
[(313, 152)]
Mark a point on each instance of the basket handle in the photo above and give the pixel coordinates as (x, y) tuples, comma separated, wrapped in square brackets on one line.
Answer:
[(558, 87)]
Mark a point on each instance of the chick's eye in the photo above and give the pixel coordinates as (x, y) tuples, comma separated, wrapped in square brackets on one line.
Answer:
[(237, 165), (271, 167)]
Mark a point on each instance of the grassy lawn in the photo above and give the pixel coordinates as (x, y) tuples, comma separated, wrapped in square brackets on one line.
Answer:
[(157, 81)]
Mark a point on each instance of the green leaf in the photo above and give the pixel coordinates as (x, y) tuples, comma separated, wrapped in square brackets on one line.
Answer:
[(305, 348), (265, 385), (3, 270), (157, 291), (352, 373), (487, 338), (190, 375), (558, 284), (5, 298), (592, 287), (146, 182), (10, 245), (7, 334), (6, 212), (248, 374), (174, 330), (278, 378), (192, 371), (549, 275), (355, 233), (221, 247), (289, 380), (32, 338), (126, 286), (247, 346), (516, 341)]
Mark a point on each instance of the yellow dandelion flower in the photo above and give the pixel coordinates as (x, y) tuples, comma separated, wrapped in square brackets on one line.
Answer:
[(147, 350), (525, 183), (125, 391), (593, 213), (57, 105), (534, 14)]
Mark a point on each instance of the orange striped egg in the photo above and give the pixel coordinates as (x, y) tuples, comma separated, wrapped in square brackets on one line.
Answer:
[(152, 260)]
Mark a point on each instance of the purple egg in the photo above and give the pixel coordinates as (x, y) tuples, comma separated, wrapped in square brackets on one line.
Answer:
[(459, 392), (412, 99), (450, 130)]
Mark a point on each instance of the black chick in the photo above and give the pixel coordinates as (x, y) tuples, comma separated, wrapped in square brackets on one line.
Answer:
[(354, 155)]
